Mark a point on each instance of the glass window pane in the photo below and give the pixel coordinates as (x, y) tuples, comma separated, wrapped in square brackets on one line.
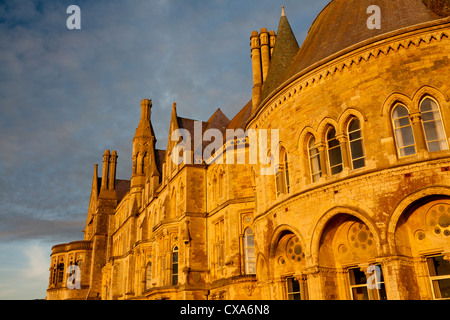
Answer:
[(430, 116), (354, 135), (175, 257), (336, 170), (331, 134), (359, 163), (356, 149), (335, 156), (354, 125), (399, 112), (382, 292), (438, 266), (360, 293), (431, 131), (293, 285), (442, 288), (407, 136), (428, 105), (357, 277)]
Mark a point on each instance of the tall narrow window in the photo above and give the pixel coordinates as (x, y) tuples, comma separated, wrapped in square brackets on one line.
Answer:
[(249, 251), (439, 276), (219, 246), (403, 131), (221, 185), (282, 175), (214, 190), (293, 289), (356, 144), (286, 173), (334, 152), (314, 160), (148, 276), (60, 272), (432, 125), (175, 266)]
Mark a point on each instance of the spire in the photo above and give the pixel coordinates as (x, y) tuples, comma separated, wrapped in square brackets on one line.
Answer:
[(286, 47), (143, 145), (145, 128)]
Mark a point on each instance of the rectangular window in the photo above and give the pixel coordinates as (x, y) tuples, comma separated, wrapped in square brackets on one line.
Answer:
[(439, 276), (60, 276), (293, 289), (175, 267), (219, 246), (360, 287)]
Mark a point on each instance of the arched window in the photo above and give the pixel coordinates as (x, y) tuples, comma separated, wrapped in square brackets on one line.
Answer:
[(214, 189), (175, 266), (314, 160), (432, 125), (148, 276), (221, 184), (356, 144), (334, 152), (173, 204), (249, 251), (282, 175), (403, 131), (60, 272)]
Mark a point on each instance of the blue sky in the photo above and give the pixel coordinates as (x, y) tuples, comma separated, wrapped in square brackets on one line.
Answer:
[(67, 95)]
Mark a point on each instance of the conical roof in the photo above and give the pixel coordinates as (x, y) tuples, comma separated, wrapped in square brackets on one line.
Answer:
[(341, 25), (286, 47)]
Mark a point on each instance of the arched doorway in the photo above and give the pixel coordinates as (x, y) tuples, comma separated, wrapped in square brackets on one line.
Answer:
[(347, 260), (422, 235), (287, 264)]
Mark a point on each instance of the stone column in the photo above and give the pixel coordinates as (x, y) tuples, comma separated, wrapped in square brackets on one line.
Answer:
[(344, 151), (323, 156), (419, 137)]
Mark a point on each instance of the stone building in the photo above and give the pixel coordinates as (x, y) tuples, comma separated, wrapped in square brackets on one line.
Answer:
[(357, 207)]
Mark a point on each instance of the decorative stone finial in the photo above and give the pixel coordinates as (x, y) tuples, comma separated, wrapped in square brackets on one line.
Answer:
[(282, 11)]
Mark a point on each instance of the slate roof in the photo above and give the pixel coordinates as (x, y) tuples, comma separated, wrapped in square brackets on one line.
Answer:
[(340, 26)]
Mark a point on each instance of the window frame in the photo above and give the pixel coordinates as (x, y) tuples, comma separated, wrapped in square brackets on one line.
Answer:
[(434, 120), (293, 294), (282, 182), (436, 278), (338, 146), (148, 276), (314, 157), (174, 276), (395, 129), (249, 263), (361, 141), (372, 294)]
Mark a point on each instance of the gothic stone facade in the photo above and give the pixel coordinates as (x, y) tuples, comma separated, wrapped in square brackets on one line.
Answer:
[(363, 178)]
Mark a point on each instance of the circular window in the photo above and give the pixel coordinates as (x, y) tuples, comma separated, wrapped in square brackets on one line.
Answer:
[(360, 236), (294, 250), (438, 219)]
